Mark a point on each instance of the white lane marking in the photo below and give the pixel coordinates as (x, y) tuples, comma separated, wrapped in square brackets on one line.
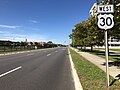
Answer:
[(56, 51), (10, 71), (48, 55), (77, 82), (30, 54)]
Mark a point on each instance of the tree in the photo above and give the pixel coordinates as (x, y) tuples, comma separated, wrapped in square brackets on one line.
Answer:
[(23, 43), (87, 34), (36, 43), (49, 42), (31, 43)]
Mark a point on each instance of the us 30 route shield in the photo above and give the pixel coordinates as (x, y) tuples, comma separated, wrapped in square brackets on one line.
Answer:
[(105, 21)]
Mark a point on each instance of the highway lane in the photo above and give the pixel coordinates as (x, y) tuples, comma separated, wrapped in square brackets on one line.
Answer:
[(12, 61), (39, 70)]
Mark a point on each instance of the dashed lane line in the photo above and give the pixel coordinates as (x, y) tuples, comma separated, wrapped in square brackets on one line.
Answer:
[(48, 55), (56, 51), (30, 54), (1, 75)]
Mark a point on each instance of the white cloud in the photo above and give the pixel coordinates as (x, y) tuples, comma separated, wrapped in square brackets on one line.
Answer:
[(33, 21), (1, 32), (8, 26), (7, 35), (22, 37)]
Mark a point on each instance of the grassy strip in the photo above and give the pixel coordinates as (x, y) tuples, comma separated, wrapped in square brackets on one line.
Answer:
[(115, 49), (91, 77), (99, 49)]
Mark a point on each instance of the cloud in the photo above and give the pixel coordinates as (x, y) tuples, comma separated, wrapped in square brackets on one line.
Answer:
[(33, 21), (22, 36), (8, 26), (7, 35), (1, 32), (4, 32)]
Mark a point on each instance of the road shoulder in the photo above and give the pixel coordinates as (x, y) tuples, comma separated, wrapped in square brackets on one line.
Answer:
[(77, 83)]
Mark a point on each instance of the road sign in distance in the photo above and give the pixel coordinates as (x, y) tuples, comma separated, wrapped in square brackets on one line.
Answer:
[(105, 9), (105, 21)]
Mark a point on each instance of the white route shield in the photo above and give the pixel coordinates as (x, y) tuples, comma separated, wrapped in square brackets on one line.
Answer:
[(105, 21)]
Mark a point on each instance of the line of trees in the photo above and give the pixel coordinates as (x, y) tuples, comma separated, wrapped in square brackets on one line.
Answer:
[(87, 32), (49, 44), (15, 46), (10, 43)]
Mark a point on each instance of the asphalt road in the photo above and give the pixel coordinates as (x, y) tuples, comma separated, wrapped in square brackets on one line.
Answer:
[(38, 70)]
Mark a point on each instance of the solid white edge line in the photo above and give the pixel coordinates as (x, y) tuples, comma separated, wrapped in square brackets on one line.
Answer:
[(77, 83), (1, 75)]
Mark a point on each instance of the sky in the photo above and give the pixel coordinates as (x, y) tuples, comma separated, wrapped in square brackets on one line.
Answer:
[(41, 20)]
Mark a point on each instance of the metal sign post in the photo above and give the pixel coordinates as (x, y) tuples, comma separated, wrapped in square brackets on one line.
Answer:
[(105, 21), (106, 54)]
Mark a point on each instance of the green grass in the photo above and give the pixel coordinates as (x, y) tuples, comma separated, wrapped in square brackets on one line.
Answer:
[(99, 49), (115, 49), (91, 77)]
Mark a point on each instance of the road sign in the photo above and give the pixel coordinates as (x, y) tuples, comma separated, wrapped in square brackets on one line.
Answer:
[(105, 21), (105, 9)]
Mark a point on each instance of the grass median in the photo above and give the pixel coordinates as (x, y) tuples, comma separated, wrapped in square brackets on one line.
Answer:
[(91, 77)]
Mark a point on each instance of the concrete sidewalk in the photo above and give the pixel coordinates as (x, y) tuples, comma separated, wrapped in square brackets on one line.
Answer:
[(98, 61)]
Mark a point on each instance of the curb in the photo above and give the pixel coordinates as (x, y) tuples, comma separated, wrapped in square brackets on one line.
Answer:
[(77, 83)]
